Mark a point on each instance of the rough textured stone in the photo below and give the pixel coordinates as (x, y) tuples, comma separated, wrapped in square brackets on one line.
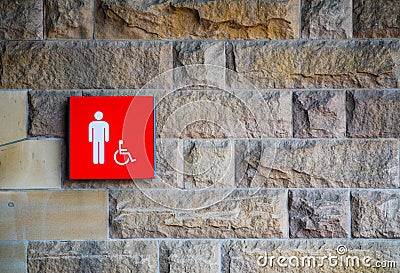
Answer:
[(327, 19), (319, 113), (93, 256), (30, 164), (84, 64), (13, 115), (319, 214), (21, 20), (72, 19), (224, 114), (375, 214), (189, 256), (214, 214), (169, 170), (53, 215), (376, 18), (209, 163), (48, 112), (198, 53), (373, 113), (317, 163), (318, 64), (249, 256), (12, 257), (243, 19)]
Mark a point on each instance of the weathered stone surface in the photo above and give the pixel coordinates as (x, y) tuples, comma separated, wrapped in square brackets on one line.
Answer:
[(12, 257), (375, 214), (317, 163), (30, 164), (224, 114), (319, 113), (319, 213), (243, 19), (189, 256), (311, 256), (93, 256), (209, 163), (48, 112), (376, 18), (330, 19), (72, 19), (198, 53), (318, 64), (13, 116), (84, 64), (373, 113), (169, 170), (53, 215), (21, 20), (214, 214)]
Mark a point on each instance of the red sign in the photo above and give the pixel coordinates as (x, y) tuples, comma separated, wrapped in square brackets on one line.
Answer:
[(111, 138)]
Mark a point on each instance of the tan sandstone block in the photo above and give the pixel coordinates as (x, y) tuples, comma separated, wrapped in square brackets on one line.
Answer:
[(12, 257), (13, 115), (53, 215), (31, 164)]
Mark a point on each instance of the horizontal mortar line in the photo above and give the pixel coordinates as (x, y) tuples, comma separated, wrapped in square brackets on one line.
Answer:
[(284, 138), (52, 189), (206, 239), (31, 138), (239, 40), (253, 189)]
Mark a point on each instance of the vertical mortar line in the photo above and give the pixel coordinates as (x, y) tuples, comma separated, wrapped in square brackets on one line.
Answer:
[(300, 17), (27, 113), (350, 215), (287, 215), (94, 19), (220, 256), (26, 256), (61, 144), (108, 214), (43, 20), (158, 256), (352, 19), (398, 162), (292, 111), (345, 112)]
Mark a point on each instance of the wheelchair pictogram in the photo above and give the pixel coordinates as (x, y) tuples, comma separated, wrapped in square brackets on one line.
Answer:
[(123, 152)]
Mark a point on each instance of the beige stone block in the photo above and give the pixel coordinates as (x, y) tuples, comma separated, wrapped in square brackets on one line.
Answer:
[(205, 213), (13, 115), (53, 215), (93, 256), (195, 256), (311, 256), (13, 256), (31, 164)]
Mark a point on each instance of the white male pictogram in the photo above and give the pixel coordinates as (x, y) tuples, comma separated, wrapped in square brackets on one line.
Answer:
[(99, 133)]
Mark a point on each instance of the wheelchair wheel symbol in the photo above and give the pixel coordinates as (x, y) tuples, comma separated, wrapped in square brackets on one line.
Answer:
[(123, 152)]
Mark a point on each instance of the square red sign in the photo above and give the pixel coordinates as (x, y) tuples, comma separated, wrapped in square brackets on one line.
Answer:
[(111, 137)]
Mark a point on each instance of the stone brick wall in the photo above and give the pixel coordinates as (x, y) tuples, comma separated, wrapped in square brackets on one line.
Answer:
[(301, 162)]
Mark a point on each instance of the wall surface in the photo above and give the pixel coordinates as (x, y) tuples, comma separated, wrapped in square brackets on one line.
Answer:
[(278, 127)]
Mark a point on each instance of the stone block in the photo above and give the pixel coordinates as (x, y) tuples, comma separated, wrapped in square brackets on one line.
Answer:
[(31, 164), (48, 112), (373, 113), (376, 18), (317, 64), (69, 19), (330, 19), (21, 20), (84, 64), (53, 215), (318, 163), (319, 213), (311, 256), (243, 19), (209, 163), (375, 213), (207, 213), (224, 114), (13, 256), (13, 115), (93, 256), (189, 256), (319, 114)]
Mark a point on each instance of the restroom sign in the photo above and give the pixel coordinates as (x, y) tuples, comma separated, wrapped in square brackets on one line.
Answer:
[(111, 138)]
